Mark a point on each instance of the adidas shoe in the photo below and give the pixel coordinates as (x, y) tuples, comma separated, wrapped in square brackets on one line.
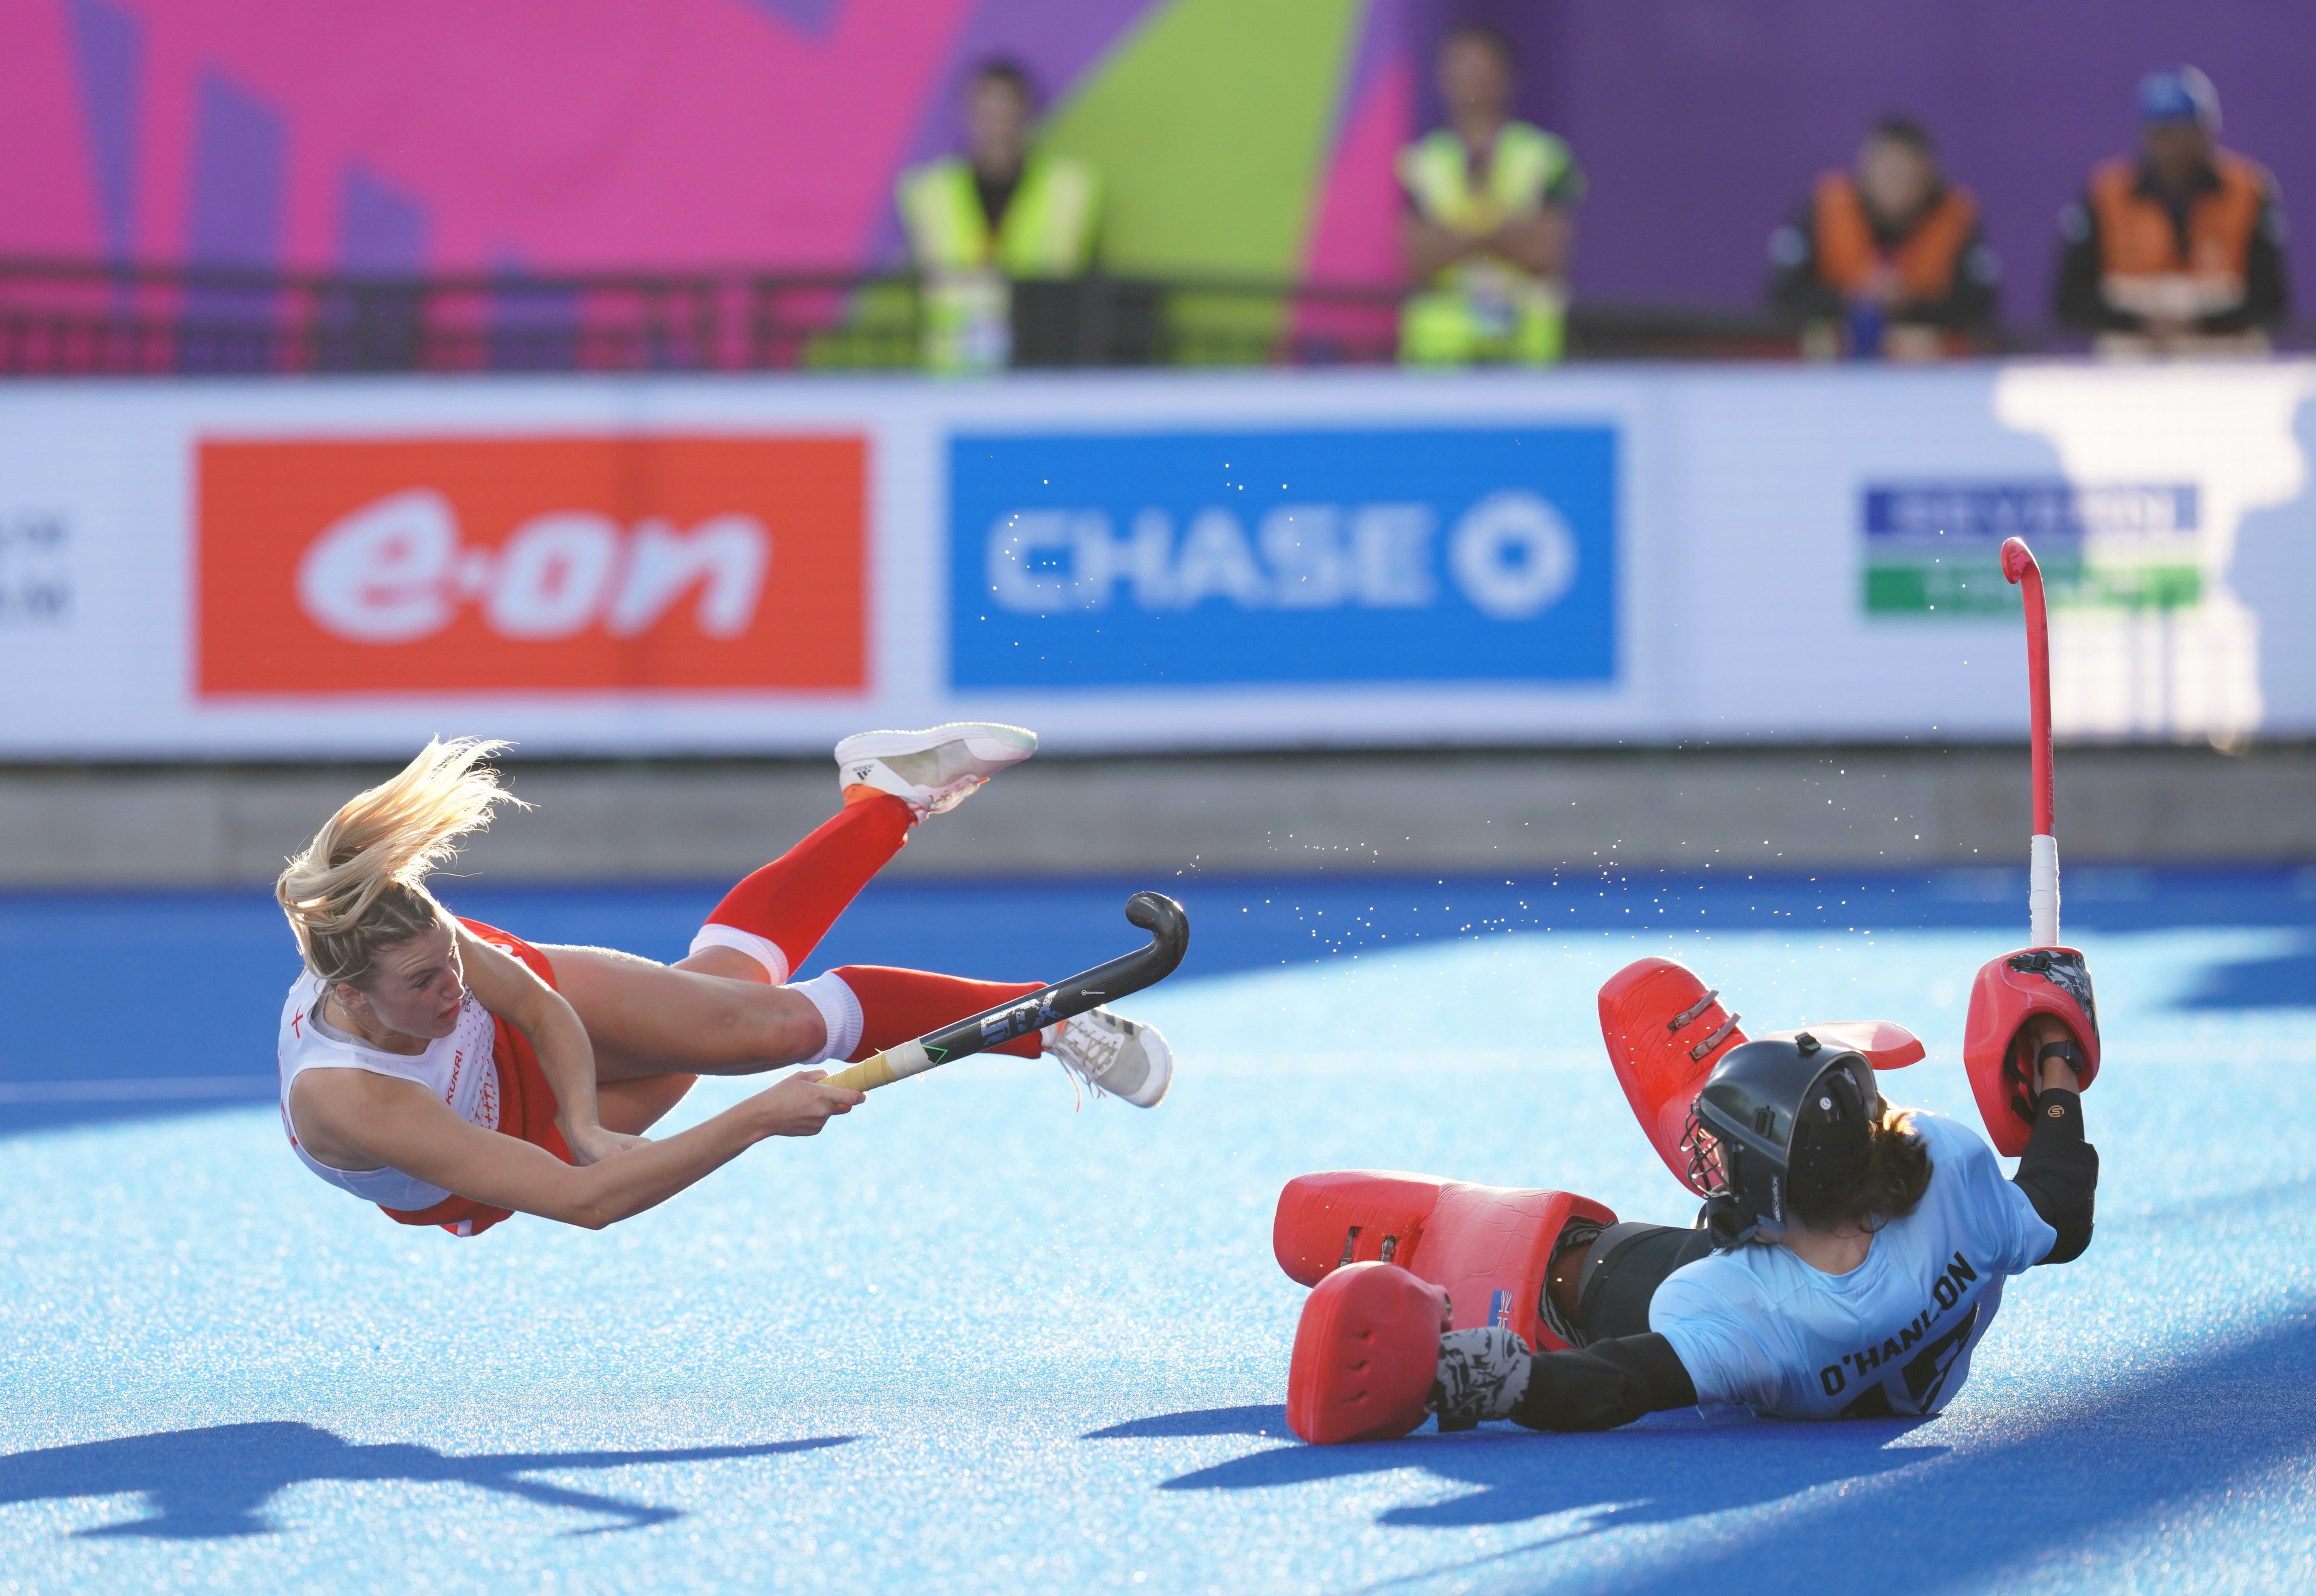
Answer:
[(932, 770), (1114, 1056), (1483, 1374)]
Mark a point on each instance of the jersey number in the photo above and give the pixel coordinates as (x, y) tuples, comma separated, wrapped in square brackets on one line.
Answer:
[(1924, 1375)]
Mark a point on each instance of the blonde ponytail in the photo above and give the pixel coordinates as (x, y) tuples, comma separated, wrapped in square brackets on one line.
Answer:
[(360, 887)]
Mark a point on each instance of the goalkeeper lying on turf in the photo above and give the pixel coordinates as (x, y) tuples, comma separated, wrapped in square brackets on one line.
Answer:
[(1850, 1258)]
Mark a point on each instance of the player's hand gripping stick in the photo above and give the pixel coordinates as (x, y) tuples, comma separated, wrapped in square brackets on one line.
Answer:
[(2042, 849), (1170, 938)]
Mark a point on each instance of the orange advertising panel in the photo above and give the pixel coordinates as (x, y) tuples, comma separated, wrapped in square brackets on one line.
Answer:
[(581, 563)]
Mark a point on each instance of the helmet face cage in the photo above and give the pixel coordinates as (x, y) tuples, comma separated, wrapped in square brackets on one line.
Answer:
[(1705, 1174), (1727, 1216), (1750, 1194)]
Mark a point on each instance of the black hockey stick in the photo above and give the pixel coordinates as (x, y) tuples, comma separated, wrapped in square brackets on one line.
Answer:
[(1170, 938)]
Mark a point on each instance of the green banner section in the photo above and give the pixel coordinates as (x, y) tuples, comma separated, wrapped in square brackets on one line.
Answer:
[(1970, 589), (1210, 124)]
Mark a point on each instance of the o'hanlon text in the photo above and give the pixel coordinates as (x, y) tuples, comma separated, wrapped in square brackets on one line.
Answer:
[(1946, 1291)]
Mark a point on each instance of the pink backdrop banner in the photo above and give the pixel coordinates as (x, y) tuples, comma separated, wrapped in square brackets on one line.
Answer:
[(438, 135)]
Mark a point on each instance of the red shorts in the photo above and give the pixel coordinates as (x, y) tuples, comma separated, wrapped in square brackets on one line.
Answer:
[(525, 1102)]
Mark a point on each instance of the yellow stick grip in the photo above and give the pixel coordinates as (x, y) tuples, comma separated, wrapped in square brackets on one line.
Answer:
[(864, 1076), (882, 1069)]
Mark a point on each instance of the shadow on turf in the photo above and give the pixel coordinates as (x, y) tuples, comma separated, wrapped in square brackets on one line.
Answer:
[(216, 1482), (2121, 1462), (1270, 1421), (1648, 1473), (2118, 1461)]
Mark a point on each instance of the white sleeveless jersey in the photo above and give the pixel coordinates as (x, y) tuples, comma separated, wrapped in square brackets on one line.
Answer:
[(1892, 1336), (459, 1068)]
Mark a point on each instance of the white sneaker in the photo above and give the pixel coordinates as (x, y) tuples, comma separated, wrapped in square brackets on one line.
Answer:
[(932, 770), (1114, 1056)]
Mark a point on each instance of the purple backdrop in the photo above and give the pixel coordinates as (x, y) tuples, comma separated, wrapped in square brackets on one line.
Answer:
[(1701, 122)]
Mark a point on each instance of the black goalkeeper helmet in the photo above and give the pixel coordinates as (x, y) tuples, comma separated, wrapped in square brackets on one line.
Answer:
[(1775, 1117)]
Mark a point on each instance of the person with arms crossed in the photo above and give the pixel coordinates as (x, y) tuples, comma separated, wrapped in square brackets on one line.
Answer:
[(1487, 231), (1004, 210)]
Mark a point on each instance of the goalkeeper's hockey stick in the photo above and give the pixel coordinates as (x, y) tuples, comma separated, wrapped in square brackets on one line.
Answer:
[(1170, 938), (2043, 848)]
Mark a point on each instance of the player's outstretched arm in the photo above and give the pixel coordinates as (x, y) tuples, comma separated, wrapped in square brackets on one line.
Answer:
[(351, 1117), (1607, 1384), (2059, 1171)]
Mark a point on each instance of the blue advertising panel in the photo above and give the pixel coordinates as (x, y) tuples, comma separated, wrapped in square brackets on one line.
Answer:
[(1401, 555)]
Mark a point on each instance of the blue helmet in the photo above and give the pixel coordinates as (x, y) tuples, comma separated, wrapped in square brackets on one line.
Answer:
[(2179, 94)]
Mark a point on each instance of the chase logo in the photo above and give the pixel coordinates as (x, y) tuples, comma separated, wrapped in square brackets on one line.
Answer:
[(1411, 554)]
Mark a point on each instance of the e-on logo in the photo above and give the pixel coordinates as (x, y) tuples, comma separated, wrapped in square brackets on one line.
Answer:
[(1411, 554), (394, 572), (579, 563)]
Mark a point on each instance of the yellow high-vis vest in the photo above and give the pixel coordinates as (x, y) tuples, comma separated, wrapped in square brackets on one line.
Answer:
[(1048, 231), (1485, 307)]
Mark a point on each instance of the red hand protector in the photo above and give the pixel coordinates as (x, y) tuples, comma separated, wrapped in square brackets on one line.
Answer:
[(2011, 991)]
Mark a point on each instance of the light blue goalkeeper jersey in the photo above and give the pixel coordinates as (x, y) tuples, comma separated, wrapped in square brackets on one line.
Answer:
[(1894, 1335)]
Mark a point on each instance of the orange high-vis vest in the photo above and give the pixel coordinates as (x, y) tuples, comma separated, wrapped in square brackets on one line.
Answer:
[(2139, 264), (1927, 258)]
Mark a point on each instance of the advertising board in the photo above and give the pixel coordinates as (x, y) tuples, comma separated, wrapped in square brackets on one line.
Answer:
[(607, 562), (605, 566), (1935, 547), (1340, 556)]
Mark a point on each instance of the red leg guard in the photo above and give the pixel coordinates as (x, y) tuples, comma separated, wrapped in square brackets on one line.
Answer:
[(1366, 1351), (1490, 1247), (1325, 1221), (1665, 1032)]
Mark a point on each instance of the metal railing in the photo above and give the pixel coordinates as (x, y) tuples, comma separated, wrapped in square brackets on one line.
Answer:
[(78, 318)]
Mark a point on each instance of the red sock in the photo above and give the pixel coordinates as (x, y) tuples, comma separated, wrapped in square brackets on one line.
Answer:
[(793, 901), (898, 1007)]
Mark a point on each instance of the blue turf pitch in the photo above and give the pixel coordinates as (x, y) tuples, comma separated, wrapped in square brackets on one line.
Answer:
[(972, 1341)]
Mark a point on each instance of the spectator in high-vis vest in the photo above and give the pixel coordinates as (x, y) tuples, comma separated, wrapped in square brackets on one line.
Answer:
[(2182, 249), (1887, 258), (1004, 210), (1487, 232)]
